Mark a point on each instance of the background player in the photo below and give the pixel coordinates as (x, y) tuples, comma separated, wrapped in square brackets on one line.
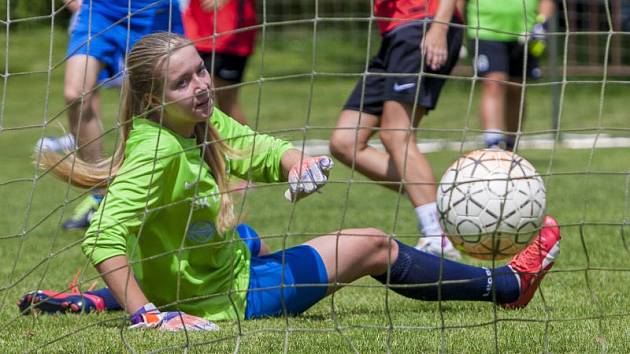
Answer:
[(496, 29), (98, 42), (224, 49), (417, 39)]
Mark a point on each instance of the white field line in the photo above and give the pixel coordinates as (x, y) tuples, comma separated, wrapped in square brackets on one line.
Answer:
[(541, 142)]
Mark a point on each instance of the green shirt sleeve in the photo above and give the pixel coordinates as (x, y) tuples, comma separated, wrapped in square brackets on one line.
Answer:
[(136, 188), (259, 155)]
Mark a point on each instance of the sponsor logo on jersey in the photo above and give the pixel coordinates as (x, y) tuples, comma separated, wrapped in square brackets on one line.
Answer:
[(402, 87), (201, 231)]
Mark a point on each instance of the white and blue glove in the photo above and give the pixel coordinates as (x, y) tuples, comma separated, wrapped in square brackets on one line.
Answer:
[(308, 177), (149, 316)]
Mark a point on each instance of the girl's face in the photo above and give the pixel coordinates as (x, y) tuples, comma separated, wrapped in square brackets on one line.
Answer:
[(187, 91)]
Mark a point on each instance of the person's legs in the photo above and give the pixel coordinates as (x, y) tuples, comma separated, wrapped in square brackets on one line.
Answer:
[(349, 142), (492, 107), (513, 110), (351, 254), (398, 134), (85, 123), (354, 253)]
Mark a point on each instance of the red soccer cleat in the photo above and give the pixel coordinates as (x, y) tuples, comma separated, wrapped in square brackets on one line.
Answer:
[(49, 301), (533, 262)]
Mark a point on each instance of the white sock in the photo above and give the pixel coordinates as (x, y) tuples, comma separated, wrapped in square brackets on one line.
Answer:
[(429, 220)]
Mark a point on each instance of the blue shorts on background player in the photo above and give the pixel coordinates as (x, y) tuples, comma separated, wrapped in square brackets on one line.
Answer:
[(100, 36)]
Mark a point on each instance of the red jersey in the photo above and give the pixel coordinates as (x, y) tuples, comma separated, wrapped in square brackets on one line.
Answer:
[(234, 14), (401, 11)]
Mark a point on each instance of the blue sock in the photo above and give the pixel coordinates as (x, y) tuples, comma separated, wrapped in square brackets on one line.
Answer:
[(413, 267), (110, 302)]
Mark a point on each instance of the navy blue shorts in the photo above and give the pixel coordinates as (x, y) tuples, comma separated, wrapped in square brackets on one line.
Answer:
[(228, 67), (504, 57), (280, 287), (400, 53)]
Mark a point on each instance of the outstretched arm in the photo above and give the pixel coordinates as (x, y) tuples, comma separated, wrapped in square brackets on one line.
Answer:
[(434, 45)]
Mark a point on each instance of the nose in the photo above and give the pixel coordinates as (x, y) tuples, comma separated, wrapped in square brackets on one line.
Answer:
[(199, 83)]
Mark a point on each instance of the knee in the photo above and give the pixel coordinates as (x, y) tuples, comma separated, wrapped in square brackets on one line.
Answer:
[(383, 249), (393, 139), (375, 239), (343, 146), (72, 94), (494, 88)]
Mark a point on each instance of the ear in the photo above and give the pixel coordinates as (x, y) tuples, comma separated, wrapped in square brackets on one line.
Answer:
[(152, 100)]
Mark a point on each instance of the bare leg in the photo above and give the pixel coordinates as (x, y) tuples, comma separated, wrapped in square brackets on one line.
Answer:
[(85, 123), (402, 158), (399, 137), (492, 106), (513, 108), (354, 253), (349, 142), (264, 248), (228, 100)]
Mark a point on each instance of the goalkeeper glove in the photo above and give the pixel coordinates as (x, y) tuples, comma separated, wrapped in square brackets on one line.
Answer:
[(149, 316), (307, 177), (537, 44)]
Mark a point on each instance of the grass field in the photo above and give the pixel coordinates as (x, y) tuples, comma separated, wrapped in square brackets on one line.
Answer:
[(582, 306)]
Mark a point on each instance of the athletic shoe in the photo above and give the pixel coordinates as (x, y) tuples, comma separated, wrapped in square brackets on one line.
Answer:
[(533, 262), (82, 214), (60, 144), (49, 301), (435, 246)]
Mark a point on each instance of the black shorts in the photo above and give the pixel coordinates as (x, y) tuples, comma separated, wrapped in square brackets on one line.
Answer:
[(400, 53), (504, 57), (227, 67)]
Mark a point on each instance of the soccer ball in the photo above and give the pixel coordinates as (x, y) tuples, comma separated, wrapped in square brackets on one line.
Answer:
[(491, 203)]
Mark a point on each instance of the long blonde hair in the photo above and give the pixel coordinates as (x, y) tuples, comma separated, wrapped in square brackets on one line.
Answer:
[(144, 80)]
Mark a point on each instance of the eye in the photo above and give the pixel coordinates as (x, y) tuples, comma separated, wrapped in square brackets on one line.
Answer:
[(181, 83), (201, 70)]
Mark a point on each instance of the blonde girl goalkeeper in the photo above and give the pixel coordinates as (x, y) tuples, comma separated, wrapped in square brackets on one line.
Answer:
[(164, 238)]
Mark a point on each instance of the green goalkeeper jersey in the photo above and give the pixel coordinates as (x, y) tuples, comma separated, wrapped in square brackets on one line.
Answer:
[(160, 211), (502, 20)]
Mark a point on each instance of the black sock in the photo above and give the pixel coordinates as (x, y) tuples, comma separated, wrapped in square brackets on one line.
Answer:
[(413, 267)]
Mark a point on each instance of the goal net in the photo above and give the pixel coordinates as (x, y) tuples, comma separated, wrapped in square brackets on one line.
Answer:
[(573, 126)]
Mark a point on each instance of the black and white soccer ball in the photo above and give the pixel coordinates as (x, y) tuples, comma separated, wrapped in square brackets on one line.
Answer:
[(491, 203)]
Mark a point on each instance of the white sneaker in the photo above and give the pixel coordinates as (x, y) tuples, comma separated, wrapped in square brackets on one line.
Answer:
[(60, 144), (435, 246)]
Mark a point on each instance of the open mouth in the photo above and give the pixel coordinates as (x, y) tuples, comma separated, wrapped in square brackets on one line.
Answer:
[(202, 102)]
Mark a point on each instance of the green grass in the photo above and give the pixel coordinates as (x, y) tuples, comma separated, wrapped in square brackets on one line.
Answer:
[(582, 305)]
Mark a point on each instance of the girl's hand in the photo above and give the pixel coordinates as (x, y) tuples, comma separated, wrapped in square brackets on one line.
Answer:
[(150, 317), (308, 177), (434, 46)]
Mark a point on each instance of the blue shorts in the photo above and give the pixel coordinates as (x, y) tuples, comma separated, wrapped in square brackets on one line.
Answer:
[(107, 32), (276, 289)]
